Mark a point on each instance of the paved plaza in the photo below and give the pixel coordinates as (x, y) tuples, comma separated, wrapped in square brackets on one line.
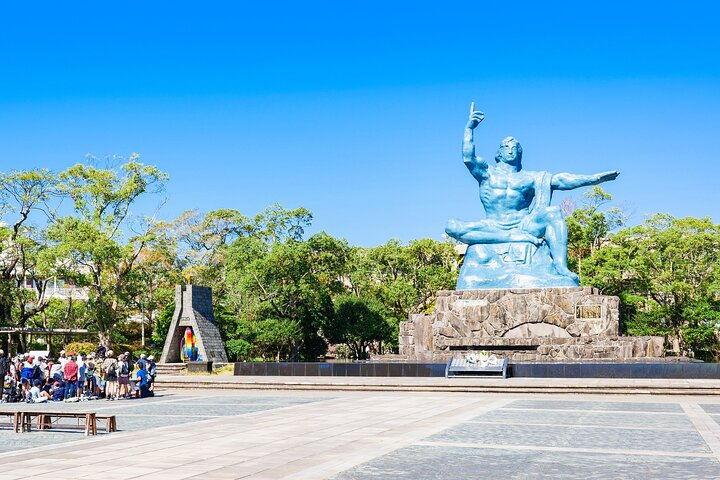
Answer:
[(378, 435)]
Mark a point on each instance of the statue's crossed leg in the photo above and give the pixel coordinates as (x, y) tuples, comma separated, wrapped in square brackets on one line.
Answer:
[(542, 225)]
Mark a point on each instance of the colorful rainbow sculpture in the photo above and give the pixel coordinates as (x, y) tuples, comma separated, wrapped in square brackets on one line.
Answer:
[(188, 349)]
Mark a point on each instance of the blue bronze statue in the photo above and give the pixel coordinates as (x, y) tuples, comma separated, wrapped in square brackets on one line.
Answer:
[(523, 241)]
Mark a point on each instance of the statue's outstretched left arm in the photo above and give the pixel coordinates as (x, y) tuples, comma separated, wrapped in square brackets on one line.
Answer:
[(569, 181)]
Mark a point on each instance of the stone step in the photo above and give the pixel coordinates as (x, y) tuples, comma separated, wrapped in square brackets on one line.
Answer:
[(171, 368), (615, 386)]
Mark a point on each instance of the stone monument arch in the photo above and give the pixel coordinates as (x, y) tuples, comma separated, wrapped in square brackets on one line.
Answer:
[(193, 333)]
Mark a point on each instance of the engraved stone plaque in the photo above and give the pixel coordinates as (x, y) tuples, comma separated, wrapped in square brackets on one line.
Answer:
[(588, 311)]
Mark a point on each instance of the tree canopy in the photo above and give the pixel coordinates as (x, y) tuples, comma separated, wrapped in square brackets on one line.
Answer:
[(280, 293), (667, 273)]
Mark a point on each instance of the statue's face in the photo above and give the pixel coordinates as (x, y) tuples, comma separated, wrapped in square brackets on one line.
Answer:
[(510, 151)]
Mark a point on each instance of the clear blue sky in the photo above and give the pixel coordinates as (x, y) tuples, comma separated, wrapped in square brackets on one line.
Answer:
[(355, 110)]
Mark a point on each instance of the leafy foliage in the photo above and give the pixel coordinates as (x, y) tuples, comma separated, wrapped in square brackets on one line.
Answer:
[(282, 292), (403, 278), (359, 323), (667, 272), (80, 347), (24, 256), (90, 244), (589, 225), (279, 294)]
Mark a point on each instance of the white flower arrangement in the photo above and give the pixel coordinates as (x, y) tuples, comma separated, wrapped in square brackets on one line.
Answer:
[(484, 359)]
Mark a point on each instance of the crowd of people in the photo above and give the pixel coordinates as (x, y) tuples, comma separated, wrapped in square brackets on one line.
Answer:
[(76, 377)]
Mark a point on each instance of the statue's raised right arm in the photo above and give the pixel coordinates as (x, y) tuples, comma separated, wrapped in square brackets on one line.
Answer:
[(476, 165), (570, 181)]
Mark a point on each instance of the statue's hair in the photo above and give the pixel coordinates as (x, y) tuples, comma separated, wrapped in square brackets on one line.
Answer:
[(506, 141)]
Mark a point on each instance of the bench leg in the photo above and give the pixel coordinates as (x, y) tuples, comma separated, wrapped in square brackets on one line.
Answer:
[(44, 422), (110, 424)]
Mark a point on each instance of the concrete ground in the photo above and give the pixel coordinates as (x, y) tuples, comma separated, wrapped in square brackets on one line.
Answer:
[(344, 435)]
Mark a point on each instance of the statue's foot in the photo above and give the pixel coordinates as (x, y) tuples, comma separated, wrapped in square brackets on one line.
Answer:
[(527, 237), (567, 273)]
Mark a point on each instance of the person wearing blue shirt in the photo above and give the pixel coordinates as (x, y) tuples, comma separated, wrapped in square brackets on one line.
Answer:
[(143, 382), (58, 393), (143, 361)]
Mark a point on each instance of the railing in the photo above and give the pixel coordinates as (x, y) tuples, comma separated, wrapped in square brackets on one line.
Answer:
[(67, 292)]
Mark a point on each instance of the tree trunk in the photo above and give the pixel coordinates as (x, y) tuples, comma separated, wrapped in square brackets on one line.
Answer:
[(675, 345), (105, 340)]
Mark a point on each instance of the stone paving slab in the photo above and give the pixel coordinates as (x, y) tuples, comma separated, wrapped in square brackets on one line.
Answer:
[(385, 435), (588, 419), (475, 463), (191, 409), (711, 408), (141, 414), (570, 436), (608, 405)]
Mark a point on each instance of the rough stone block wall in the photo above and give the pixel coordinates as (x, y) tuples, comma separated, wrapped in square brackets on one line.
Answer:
[(406, 342), (544, 324)]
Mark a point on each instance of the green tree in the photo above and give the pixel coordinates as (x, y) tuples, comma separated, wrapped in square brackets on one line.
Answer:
[(91, 243), (267, 338), (162, 326), (284, 288), (200, 242), (404, 278), (229, 252), (151, 286), (363, 324), (590, 225), (24, 257), (667, 273)]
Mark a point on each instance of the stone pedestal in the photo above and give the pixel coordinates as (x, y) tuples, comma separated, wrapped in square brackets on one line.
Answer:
[(524, 324)]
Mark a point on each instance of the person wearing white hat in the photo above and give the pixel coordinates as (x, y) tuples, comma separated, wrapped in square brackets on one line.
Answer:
[(62, 359)]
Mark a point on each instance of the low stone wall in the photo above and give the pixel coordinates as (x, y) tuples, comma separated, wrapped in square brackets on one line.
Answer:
[(546, 324), (340, 369), (658, 368)]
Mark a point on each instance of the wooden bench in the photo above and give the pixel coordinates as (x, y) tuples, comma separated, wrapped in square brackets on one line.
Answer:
[(17, 418), (47, 419), (110, 422)]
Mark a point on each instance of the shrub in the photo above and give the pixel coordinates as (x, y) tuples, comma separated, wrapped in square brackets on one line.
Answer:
[(80, 347), (119, 348)]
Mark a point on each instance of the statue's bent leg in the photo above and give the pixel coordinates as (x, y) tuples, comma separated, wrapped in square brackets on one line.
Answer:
[(487, 231), (550, 223), (472, 232)]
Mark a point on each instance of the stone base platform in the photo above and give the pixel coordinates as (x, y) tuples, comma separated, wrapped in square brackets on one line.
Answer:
[(543, 324)]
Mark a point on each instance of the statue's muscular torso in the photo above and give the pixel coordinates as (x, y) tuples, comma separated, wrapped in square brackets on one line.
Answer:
[(507, 196)]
